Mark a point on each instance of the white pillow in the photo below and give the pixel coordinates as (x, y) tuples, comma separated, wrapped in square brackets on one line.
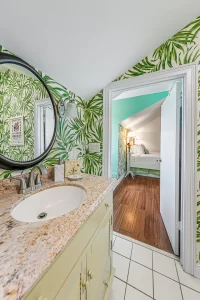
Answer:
[(137, 149), (141, 149)]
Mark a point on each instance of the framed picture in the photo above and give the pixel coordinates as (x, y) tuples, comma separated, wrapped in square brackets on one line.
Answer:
[(17, 131), (72, 167)]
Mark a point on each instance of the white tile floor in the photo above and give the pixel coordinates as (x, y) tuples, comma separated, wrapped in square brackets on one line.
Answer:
[(144, 273)]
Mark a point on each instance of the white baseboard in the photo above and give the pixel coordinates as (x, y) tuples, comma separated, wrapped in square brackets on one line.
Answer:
[(148, 175), (118, 181), (197, 271)]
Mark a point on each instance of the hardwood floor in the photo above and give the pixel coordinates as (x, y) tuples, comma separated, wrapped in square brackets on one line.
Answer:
[(137, 211)]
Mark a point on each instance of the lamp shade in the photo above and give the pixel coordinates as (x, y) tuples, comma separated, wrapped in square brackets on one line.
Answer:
[(131, 134), (71, 110)]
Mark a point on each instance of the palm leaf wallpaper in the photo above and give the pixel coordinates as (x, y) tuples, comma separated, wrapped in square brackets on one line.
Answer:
[(18, 94), (182, 48)]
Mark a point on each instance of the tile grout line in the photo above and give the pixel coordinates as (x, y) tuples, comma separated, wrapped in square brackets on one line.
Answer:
[(152, 275), (113, 243), (183, 283), (179, 280), (166, 276), (141, 264), (133, 287), (177, 271), (139, 291), (122, 255), (129, 261), (148, 247), (125, 291), (126, 283), (121, 279), (181, 291), (128, 271), (190, 288)]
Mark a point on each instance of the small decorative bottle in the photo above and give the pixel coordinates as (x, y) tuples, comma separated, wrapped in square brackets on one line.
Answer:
[(59, 175)]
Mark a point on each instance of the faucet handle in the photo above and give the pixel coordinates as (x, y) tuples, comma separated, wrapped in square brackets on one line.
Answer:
[(23, 184)]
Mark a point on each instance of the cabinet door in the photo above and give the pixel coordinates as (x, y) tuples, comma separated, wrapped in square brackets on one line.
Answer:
[(76, 284), (98, 255), (104, 281)]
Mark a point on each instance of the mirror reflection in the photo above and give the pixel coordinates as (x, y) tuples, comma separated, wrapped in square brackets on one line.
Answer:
[(27, 118)]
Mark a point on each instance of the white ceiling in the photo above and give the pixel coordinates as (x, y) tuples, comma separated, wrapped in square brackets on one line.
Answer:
[(143, 117), (84, 45)]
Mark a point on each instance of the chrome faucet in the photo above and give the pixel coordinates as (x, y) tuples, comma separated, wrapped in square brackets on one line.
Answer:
[(33, 183)]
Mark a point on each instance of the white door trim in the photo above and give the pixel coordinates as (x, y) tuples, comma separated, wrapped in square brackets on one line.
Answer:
[(37, 124), (189, 74), (117, 182)]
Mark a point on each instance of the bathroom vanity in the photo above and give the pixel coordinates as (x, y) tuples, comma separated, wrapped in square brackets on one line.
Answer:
[(55, 238), (68, 257), (84, 269)]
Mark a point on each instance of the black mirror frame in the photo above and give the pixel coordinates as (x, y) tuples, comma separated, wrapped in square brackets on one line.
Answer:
[(9, 164)]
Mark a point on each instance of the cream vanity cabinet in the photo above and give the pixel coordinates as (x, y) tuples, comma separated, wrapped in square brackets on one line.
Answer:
[(83, 271)]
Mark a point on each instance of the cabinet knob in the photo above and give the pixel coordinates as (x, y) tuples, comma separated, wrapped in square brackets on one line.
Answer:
[(90, 274), (42, 298), (106, 204), (106, 283), (85, 284)]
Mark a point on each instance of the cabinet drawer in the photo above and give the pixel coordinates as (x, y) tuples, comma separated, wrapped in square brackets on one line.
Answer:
[(102, 210), (51, 282)]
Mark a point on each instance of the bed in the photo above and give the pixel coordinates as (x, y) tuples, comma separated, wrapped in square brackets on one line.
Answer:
[(141, 162), (145, 161)]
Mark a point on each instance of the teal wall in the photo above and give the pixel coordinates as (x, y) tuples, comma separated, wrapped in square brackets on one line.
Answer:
[(123, 109)]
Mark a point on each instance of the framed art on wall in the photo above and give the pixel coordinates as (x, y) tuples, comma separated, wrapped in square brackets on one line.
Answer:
[(17, 131)]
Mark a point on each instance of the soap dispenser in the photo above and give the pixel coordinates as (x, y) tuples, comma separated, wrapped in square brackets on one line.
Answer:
[(59, 175)]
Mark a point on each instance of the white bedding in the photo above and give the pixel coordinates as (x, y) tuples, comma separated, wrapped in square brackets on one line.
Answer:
[(150, 158), (145, 161)]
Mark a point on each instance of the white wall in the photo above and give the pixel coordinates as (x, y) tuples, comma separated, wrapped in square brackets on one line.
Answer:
[(149, 135)]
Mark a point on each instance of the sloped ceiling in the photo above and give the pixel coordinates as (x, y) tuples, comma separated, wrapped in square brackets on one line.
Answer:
[(150, 89), (143, 117), (84, 45)]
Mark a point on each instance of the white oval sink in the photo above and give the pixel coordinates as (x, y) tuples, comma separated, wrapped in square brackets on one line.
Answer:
[(49, 204)]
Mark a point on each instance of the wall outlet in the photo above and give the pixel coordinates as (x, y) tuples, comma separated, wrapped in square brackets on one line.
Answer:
[(94, 147)]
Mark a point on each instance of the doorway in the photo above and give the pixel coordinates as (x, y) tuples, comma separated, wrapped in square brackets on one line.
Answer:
[(188, 75), (147, 203), (43, 125)]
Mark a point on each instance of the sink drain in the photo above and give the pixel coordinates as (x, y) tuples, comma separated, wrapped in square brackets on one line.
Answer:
[(42, 215)]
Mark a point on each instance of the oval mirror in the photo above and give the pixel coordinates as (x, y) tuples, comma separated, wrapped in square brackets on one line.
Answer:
[(27, 115)]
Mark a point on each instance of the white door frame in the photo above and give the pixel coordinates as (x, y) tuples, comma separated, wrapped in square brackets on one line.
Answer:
[(189, 74), (37, 124)]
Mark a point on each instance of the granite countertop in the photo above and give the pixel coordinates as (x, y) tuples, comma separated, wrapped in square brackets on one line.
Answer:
[(27, 249)]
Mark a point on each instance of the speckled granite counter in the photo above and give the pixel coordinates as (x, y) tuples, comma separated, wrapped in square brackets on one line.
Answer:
[(27, 249)]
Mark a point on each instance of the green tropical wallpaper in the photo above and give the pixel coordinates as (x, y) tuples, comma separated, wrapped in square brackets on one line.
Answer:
[(122, 141), (18, 94), (182, 48)]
